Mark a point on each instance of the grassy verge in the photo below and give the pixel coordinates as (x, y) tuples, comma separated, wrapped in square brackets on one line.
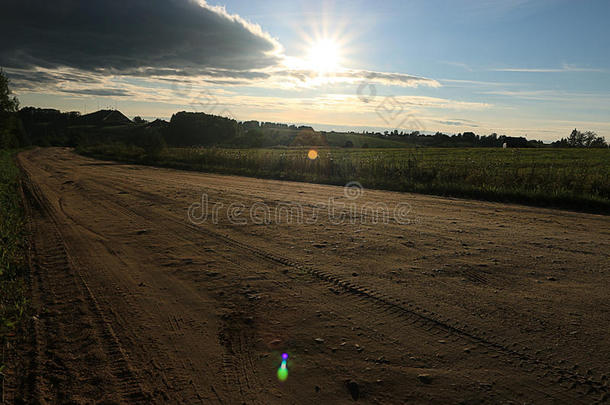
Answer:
[(13, 267), (565, 178)]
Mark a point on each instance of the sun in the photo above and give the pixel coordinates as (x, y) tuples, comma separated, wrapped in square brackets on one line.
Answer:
[(324, 56)]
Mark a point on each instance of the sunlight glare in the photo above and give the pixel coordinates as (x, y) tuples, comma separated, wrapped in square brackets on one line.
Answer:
[(324, 56)]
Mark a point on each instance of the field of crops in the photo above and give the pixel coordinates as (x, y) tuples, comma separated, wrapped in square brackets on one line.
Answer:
[(569, 178)]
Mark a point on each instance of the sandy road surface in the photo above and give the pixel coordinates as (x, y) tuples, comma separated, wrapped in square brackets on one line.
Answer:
[(466, 301)]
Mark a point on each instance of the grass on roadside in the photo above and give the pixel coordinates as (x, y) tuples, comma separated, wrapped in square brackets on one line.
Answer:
[(13, 302), (577, 179)]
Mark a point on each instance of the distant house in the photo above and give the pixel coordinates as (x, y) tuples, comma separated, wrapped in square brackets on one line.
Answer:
[(104, 117)]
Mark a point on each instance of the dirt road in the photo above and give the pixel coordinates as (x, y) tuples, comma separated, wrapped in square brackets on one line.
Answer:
[(446, 301)]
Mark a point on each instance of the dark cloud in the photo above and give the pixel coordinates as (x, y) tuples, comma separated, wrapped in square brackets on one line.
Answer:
[(135, 37), (45, 77), (224, 73), (29, 79), (99, 92), (399, 79)]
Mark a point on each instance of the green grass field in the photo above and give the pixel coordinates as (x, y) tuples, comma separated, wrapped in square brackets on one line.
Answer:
[(569, 178), (13, 302)]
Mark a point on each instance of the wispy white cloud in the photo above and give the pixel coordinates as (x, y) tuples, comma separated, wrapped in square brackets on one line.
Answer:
[(312, 78), (564, 68), (584, 99), (79, 81), (462, 65), (458, 122), (479, 83)]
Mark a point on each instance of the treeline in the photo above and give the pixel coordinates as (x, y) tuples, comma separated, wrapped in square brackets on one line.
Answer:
[(576, 139), (466, 139), (50, 127), (200, 129)]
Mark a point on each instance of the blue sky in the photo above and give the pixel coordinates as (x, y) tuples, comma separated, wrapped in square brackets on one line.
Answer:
[(517, 67)]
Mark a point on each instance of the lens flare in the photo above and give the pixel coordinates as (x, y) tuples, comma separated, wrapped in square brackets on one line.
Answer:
[(282, 372), (312, 154)]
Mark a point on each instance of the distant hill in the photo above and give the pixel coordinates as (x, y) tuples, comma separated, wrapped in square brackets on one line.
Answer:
[(104, 118)]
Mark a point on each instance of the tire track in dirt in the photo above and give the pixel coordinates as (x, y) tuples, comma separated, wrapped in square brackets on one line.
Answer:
[(179, 380), (427, 320), (566, 379), (59, 286), (237, 361)]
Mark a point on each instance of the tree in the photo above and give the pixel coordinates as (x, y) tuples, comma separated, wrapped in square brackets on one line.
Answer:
[(8, 104), (577, 139), (591, 140), (11, 130), (200, 129), (599, 142)]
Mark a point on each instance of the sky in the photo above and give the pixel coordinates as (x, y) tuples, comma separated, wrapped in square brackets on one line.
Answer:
[(534, 68)]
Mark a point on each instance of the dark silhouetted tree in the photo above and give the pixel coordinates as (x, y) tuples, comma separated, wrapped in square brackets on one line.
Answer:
[(577, 139), (598, 142), (8, 104), (11, 130), (200, 129)]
